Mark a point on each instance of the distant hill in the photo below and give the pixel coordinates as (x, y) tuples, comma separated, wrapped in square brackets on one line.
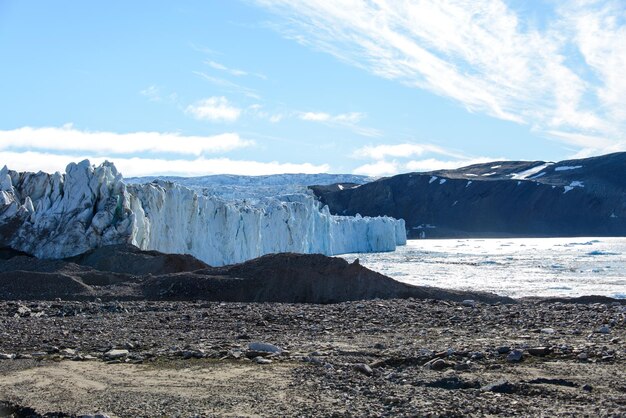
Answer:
[(502, 198)]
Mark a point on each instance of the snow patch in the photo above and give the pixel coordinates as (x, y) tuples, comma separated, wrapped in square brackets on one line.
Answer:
[(523, 175), (496, 166), (567, 167), (441, 181), (432, 179), (572, 185), (489, 174), (468, 183)]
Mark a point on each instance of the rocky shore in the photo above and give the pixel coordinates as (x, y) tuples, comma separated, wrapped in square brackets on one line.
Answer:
[(362, 358)]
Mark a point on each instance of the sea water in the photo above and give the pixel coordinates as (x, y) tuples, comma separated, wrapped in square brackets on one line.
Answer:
[(512, 267)]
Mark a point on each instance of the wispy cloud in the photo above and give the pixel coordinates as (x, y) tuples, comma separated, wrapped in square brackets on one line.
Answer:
[(221, 67), (377, 169), (69, 139), (402, 158), (232, 71), (137, 166), (228, 85), (352, 117), (432, 164), (564, 77), (152, 93), (407, 150), (349, 120), (214, 109)]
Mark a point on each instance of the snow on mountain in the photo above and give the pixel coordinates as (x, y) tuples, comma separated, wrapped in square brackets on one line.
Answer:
[(60, 215), (234, 187)]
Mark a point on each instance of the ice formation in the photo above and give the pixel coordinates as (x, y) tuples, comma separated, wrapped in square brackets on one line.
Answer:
[(55, 215)]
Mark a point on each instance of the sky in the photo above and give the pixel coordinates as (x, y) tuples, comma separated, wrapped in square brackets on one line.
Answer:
[(373, 87)]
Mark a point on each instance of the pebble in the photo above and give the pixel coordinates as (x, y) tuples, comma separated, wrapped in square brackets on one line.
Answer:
[(471, 303), (116, 354), (603, 330), (503, 349), (363, 368), (515, 356), (262, 360), (583, 356), (539, 351)]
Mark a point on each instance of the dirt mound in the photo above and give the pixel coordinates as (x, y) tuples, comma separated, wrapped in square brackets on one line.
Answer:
[(25, 285), (128, 259), (295, 278), (7, 253), (125, 272)]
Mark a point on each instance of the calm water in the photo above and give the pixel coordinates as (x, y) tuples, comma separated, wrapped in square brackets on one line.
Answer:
[(512, 267)]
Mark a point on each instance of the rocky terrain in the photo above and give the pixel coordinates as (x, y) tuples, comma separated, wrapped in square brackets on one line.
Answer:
[(122, 332), (585, 197), (364, 358)]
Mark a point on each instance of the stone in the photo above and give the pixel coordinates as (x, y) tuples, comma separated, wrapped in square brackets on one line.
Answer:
[(583, 356), (256, 349), (515, 356), (7, 356), (470, 303), (437, 364), (501, 386), (68, 352), (116, 354), (262, 360), (547, 330), (605, 329), (539, 351), (587, 388), (363, 368)]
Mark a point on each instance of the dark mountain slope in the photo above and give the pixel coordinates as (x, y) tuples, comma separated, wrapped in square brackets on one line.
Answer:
[(503, 198)]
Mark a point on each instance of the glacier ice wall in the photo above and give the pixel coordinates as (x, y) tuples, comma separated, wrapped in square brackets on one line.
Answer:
[(55, 215)]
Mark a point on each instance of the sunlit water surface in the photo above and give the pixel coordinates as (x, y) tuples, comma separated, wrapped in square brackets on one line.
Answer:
[(511, 267)]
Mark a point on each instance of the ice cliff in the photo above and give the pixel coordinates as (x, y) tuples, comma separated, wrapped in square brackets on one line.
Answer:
[(60, 215)]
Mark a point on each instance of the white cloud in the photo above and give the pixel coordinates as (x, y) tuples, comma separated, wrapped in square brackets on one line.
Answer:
[(221, 67), (380, 152), (214, 109), (432, 164), (564, 76), (228, 85), (377, 169), (131, 167), (69, 139), (153, 93), (348, 118)]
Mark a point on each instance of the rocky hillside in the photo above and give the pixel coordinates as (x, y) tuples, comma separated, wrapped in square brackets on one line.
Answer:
[(584, 197)]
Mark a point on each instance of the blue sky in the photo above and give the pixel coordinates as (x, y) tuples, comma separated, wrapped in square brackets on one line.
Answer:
[(271, 86)]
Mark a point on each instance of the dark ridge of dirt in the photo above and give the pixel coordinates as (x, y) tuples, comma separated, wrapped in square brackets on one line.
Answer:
[(128, 259), (30, 285), (7, 253), (315, 278), (127, 273)]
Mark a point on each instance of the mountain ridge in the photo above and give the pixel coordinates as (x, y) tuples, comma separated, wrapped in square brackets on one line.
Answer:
[(497, 199)]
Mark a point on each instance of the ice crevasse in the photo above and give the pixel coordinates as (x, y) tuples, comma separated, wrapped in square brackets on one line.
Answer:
[(61, 215)]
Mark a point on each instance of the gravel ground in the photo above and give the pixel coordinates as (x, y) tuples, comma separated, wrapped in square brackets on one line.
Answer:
[(372, 358)]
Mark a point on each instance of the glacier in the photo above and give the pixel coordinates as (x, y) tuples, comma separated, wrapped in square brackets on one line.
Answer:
[(252, 188), (61, 215)]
